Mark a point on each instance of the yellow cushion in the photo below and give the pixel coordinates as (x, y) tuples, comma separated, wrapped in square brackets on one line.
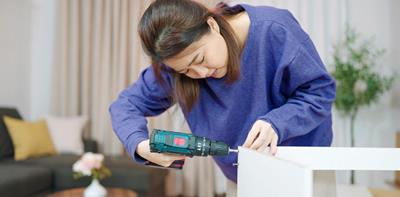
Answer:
[(30, 139)]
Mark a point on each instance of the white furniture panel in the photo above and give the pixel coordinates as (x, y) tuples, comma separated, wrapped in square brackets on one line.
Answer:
[(306, 171)]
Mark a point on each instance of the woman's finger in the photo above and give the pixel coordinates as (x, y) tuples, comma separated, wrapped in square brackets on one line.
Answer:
[(173, 157), (262, 148), (260, 140), (274, 145), (251, 136), (166, 159)]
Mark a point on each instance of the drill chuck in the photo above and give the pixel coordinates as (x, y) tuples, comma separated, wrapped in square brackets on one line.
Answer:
[(219, 148)]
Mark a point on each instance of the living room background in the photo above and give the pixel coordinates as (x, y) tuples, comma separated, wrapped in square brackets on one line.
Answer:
[(28, 32)]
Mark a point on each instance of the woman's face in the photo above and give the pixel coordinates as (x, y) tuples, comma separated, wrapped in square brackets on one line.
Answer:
[(206, 57)]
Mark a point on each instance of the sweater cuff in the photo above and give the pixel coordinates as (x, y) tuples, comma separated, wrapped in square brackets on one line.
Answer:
[(133, 143)]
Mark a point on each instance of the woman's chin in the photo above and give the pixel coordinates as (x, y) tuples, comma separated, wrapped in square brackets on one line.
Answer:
[(218, 76), (219, 73)]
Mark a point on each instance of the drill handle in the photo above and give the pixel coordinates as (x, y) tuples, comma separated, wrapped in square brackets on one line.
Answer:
[(177, 164)]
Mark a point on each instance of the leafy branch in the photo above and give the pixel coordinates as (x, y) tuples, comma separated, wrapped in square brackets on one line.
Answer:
[(99, 174), (357, 83)]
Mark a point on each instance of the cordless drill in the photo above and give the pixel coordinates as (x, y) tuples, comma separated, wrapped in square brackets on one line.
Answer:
[(162, 141)]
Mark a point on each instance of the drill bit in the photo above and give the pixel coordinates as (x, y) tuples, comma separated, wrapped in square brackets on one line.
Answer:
[(233, 150)]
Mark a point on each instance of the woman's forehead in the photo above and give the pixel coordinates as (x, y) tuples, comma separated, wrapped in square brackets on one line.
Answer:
[(192, 48), (187, 55), (181, 61)]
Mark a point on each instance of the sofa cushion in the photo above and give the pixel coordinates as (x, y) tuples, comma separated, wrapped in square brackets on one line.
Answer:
[(6, 146), (23, 180), (30, 139), (61, 168), (66, 133)]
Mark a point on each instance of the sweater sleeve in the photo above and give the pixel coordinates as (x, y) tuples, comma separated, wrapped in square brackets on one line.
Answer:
[(146, 97), (307, 89)]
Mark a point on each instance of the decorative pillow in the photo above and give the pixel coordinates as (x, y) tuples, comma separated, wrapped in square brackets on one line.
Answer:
[(30, 139), (66, 133)]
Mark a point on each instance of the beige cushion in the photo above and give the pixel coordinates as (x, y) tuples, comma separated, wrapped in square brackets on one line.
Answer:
[(66, 133)]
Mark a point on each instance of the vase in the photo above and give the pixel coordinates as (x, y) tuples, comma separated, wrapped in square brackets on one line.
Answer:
[(95, 189)]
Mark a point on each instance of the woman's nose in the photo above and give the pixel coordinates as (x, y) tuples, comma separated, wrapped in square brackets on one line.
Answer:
[(201, 71)]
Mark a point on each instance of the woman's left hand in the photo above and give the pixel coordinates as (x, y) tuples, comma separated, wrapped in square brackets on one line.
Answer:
[(261, 136)]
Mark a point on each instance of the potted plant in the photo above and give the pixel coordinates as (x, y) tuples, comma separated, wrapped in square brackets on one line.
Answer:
[(358, 84)]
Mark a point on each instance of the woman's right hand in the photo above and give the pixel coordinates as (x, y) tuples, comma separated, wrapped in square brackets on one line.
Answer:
[(165, 160)]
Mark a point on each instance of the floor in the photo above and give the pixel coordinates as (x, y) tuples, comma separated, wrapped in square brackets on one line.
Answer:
[(385, 193)]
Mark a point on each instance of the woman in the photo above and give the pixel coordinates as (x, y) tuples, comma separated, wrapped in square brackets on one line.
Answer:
[(247, 76)]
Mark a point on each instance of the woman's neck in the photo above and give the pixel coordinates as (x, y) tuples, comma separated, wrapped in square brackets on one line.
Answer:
[(240, 24)]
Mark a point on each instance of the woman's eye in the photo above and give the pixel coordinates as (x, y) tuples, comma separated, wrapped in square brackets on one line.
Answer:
[(202, 60), (187, 70)]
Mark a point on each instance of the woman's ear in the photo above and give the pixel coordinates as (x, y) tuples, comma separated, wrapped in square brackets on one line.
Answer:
[(213, 24)]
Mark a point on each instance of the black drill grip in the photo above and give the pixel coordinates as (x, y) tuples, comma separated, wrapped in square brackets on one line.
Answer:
[(177, 164)]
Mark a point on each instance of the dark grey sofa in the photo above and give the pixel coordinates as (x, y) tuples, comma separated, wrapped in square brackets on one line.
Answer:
[(47, 174)]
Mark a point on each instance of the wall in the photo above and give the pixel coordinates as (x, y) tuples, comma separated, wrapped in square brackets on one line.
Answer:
[(14, 54), (26, 41), (42, 40)]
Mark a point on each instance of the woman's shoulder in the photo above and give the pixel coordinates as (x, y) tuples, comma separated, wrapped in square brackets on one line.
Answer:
[(269, 13), (271, 21)]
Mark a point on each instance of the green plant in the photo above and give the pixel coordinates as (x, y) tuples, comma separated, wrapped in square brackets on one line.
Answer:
[(358, 84)]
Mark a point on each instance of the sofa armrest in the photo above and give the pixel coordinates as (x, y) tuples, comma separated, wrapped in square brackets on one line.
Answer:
[(90, 145)]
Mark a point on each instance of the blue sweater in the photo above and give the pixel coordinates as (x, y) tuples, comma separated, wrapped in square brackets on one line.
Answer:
[(283, 81)]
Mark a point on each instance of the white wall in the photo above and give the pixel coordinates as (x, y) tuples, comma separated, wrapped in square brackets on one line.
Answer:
[(42, 42), (15, 54), (26, 55)]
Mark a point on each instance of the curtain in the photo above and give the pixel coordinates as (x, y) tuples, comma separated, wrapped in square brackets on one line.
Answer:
[(98, 54)]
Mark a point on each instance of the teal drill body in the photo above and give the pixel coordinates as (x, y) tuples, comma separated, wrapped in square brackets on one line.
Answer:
[(162, 141)]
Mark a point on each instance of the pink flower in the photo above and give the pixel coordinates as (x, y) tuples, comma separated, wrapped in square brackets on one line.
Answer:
[(88, 162), (78, 167)]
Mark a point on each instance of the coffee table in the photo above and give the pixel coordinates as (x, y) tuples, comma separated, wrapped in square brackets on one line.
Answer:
[(78, 192)]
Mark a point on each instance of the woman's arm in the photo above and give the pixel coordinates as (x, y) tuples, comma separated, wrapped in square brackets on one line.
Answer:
[(146, 97), (302, 87), (309, 90)]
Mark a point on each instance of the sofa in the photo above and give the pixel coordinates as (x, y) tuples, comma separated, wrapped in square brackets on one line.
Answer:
[(46, 174)]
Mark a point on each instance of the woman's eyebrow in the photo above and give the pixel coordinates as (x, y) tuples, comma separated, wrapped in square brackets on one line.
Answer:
[(195, 57)]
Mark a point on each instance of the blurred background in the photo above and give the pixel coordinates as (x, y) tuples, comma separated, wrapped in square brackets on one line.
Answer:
[(73, 57)]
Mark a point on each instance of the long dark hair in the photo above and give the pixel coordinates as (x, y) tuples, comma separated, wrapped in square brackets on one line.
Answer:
[(167, 27)]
